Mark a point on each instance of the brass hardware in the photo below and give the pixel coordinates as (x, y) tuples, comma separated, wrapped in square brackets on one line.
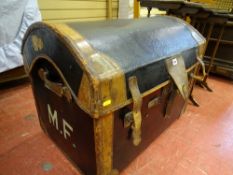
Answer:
[(176, 69), (57, 88), (136, 113)]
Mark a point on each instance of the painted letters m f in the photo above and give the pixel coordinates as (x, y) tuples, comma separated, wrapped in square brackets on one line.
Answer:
[(52, 117)]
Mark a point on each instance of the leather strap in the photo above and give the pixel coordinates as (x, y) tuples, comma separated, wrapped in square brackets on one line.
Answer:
[(137, 104), (177, 71)]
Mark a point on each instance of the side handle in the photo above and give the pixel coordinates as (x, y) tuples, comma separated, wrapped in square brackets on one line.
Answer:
[(58, 88)]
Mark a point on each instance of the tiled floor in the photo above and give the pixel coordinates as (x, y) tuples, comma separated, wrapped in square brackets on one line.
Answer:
[(199, 143)]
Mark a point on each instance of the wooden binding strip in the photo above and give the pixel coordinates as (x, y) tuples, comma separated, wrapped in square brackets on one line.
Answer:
[(103, 134)]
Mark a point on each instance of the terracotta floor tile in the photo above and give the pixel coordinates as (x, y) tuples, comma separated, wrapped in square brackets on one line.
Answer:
[(145, 170), (182, 170), (199, 143), (31, 155)]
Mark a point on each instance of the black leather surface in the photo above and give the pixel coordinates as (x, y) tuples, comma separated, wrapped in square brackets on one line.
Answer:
[(57, 51), (141, 46), (137, 43)]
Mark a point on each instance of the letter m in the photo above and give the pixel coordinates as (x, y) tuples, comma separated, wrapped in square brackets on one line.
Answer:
[(52, 117)]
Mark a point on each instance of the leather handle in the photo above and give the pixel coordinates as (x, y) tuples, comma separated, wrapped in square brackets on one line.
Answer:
[(58, 88)]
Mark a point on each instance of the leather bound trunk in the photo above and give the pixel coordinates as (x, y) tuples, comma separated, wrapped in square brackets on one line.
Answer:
[(105, 90)]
